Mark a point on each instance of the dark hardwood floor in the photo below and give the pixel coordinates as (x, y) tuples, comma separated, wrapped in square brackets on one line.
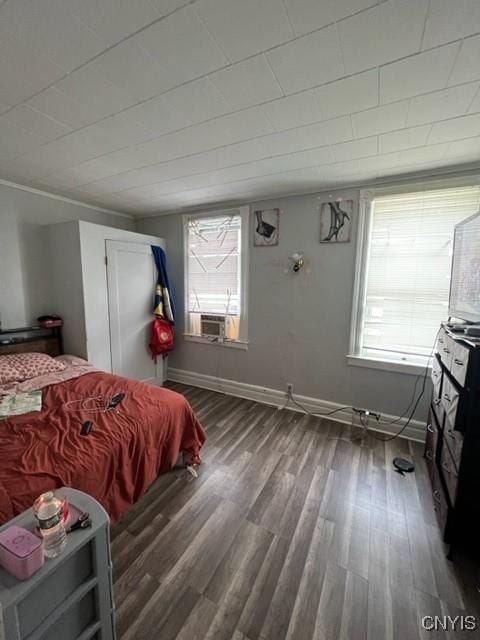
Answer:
[(290, 531)]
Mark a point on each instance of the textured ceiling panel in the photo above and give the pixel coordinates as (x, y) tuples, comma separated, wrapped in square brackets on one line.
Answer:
[(154, 105)]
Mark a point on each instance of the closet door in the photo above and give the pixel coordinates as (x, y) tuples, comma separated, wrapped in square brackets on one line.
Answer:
[(131, 277)]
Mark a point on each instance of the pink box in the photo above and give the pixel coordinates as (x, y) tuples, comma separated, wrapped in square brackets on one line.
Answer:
[(21, 552)]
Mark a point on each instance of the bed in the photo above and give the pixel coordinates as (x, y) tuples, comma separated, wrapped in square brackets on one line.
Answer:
[(116, 462)]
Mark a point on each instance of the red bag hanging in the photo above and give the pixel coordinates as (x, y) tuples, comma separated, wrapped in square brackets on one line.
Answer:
[(162, 339)]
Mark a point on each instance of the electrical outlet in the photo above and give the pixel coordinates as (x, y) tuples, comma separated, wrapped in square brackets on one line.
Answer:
[(289, 387)]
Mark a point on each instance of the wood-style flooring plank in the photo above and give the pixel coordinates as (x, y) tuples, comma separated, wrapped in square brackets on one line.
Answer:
[(291, 531)]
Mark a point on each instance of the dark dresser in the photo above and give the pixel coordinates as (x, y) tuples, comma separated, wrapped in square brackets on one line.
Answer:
[(452, 448)]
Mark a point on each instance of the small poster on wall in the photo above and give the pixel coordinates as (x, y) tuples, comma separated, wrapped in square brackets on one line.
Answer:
[(336, 221), (266, 227)]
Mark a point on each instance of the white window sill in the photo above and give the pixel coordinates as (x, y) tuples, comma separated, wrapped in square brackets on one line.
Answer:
[(234, 344), (387, 365)]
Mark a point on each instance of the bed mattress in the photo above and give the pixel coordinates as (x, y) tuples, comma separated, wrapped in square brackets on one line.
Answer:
[(124, 452)]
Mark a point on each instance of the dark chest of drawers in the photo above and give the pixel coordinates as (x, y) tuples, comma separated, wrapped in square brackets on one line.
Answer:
[(452, 448)]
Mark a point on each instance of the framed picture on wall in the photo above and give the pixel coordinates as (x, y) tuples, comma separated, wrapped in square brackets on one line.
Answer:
[(266, 227), (336, 221)]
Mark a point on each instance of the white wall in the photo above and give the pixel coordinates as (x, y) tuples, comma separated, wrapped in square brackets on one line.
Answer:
[(24, 251), (298, 325)]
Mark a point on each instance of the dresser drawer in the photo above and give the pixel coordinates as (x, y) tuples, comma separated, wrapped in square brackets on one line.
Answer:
[(436, 375), (454, 441), (459, 364), (445, 346), (450, 400), (449, 472), (431, 441), (440, 503)]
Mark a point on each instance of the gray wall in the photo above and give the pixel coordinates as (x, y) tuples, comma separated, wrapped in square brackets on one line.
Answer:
[(25, 273), (298, 325)]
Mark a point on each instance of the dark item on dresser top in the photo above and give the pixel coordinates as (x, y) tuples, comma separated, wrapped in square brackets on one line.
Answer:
[(452, 447), (31, 339)]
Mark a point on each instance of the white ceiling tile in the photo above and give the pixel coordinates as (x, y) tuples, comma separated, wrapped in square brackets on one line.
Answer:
[(128, 66), (197, 101), (328, 132), (113, 20), (441, 105), (405, 139), (282, 142), (37, 123), (48, 27), (380, 119), (455, 129), (112, 133), (56, 155), (247, 27), (37, 71), (475, 105), (293, 111), (183, 46), (167, 6), (158, 116), (355, 149), (466, 67), (95, 94), (418, 74), (391, 30), (308, 61), (308, 15), (247, 83), (466, 149), (60, 107), (447, 22), (16, 141), (352, 94)]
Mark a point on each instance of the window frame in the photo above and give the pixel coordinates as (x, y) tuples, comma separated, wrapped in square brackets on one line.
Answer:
[(244, 213), (355, 356)]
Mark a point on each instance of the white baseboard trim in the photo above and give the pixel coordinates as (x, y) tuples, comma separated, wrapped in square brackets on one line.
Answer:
[(414, 431)]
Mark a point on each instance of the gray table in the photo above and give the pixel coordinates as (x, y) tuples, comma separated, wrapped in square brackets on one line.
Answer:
[(71, 596)]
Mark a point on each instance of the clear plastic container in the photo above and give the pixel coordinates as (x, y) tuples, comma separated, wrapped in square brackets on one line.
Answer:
[(49, 512)]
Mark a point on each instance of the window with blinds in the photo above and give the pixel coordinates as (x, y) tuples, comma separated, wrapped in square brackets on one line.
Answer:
[(214, 280), (407, 274)]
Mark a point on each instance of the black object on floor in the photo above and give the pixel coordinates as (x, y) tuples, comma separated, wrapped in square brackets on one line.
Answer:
[(403, 466)]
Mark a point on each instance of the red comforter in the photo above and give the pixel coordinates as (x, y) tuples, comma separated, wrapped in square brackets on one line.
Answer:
[(115, 463)]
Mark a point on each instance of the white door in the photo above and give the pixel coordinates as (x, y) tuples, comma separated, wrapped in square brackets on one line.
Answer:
[(131, 276)]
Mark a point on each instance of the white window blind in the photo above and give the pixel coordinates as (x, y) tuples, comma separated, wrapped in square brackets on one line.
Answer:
[(408, 270), (214, 253)]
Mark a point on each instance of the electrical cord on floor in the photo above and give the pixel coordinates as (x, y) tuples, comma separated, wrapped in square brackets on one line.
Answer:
[(413, 401)]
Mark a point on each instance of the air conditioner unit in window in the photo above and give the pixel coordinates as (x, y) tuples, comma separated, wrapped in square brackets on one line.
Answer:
[(212, 326)]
